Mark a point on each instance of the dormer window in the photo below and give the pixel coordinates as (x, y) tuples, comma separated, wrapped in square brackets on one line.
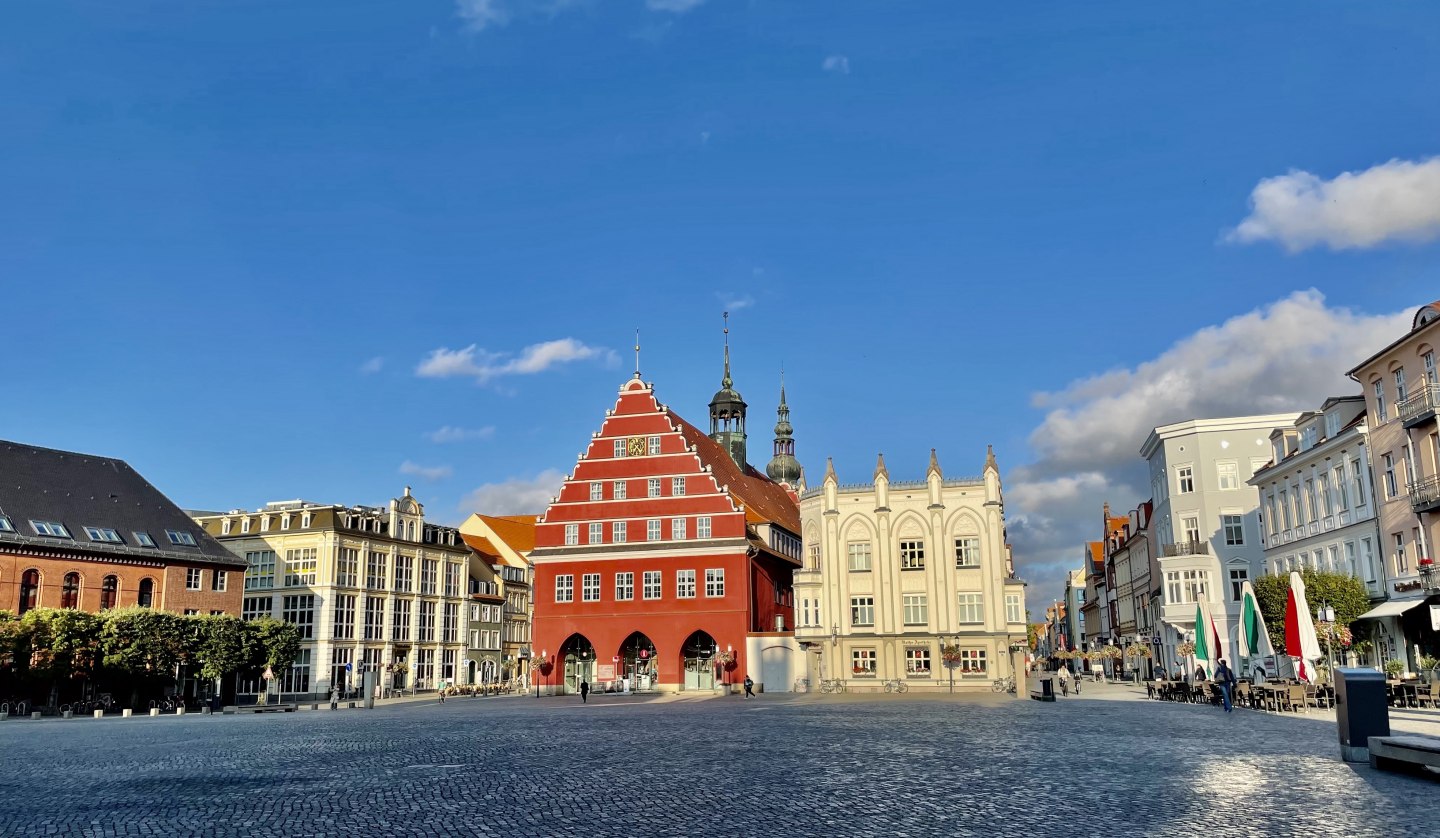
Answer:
[(144, 539), (52, 529), (5, 525), (180, 537), (264, 523), (285, 521), (244, 525), (103, 534), (305, 520), (224, 526)]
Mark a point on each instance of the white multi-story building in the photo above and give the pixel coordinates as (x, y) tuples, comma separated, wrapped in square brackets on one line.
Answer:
[(367, 587), (1316, 502), (893, 571), (1206, 519)]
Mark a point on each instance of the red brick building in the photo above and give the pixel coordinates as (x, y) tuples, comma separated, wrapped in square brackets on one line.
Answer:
[(665, 554), (88, 532)]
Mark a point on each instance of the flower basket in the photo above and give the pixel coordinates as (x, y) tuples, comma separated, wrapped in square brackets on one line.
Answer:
[(1138, 651), (399, 668), (1185, 649), (724, 658)]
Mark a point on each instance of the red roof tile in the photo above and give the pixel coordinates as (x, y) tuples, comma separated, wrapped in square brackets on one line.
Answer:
[(749, 487)]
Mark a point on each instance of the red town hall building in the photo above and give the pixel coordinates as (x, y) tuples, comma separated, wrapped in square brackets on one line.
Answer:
[(666, 559)]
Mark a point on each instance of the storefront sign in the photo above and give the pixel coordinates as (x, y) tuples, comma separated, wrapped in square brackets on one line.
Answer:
[(605, 672)]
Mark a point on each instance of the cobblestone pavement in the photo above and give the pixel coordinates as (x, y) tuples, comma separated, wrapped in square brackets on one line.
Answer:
[(1102, 764)]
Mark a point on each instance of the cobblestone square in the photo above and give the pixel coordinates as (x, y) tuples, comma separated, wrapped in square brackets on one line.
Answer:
[(811, 765)]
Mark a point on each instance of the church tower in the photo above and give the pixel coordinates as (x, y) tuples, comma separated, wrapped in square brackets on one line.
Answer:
[(727, 411), (783, 467)]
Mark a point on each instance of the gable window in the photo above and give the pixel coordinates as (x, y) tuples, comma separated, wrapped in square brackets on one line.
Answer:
[(677, 486), (619, 447), (145, 596), (912, 555), (285, 521), (565, 588), (29, 590), (70, 591), (109, 592), (590, 587), (654, 445), (597, 491), (103, 534), (967, 552), (597, 533), (617, 532), (859, 553), (1429, 359), (1228, 476), (862, 610), (702, 526), (652, 487), (225, 526), (715, 582), (572, 534), (1234, 528), (677, 529), (244, 526), (1185, 480), (52, 529), (180, 537), (653, 584), (685, 584), (192, 578)]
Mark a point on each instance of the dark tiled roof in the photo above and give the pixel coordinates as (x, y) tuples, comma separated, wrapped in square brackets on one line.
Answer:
[(84, 490)]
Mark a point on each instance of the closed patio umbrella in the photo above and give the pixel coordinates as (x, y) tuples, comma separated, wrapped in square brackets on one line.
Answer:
[(1254, 639), (1300, 640), (1208, 650)]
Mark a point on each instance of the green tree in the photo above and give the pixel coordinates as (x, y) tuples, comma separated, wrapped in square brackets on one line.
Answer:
[(63, 643), (144, 642), (278, 642), (224, 645), (1340, 591), (1033, 632)]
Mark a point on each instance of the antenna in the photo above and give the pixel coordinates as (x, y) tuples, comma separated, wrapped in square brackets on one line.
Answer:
[(637, 353)]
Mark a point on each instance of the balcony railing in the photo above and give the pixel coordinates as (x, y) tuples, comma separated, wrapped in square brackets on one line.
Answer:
[(1185, 548), (1430, 576), (1425, 495), (1418, 407)]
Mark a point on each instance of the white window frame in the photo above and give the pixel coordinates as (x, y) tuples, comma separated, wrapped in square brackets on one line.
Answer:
[(590, 587), (572, 534), (652, 487), (967, 551), (915, 609), (714, 581), (653, 582), (565, 587), (970, 608), (862, 611), (597, 533), (912, 553), (625, 586), (653, 530), (677, 529), (1184, 480), (619, 532), (702, 526), (1237, 521), (685, 584), (619, 450), (597, 490), (860, 555), (1227, 475), (677, 486), (654, 446)]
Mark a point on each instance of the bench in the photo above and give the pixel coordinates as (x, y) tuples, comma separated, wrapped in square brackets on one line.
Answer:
[(1411, 752), (259, 708)]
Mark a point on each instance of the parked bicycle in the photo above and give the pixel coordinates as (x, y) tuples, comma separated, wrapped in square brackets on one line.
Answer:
[(833, 686), (1003, 685), (167, 704), (18, 707), (896, 686)]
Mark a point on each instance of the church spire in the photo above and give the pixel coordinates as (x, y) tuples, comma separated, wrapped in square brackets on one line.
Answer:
[(783, 467), (727, 411)]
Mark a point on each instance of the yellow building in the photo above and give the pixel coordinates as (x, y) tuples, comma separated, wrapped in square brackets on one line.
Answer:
[(505, 542)]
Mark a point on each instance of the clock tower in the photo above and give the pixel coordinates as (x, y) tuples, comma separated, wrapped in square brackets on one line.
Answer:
[(727, 411)]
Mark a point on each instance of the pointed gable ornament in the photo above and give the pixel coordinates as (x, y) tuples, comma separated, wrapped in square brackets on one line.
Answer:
[(880, 470), (934, 465)]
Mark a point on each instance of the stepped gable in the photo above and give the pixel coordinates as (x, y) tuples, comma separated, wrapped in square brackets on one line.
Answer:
[(754, 490)]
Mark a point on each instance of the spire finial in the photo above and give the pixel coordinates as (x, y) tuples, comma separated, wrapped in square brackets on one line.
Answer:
[(637, 353), (830, 469), (990, 458), (880, 469), (934, 463), (726, 382)]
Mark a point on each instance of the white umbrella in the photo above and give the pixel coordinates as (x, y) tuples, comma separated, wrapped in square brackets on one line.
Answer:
[(1300, 640)]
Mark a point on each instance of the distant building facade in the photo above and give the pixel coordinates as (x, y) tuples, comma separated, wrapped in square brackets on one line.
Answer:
[(88, 532), (505, 542), (893, 571)]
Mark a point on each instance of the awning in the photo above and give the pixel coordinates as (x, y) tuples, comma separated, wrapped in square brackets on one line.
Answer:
[(1393, 608)]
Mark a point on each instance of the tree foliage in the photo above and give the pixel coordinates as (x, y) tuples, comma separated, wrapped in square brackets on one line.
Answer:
[(225, 644), (279, 641), (1340, 591), (62, 643)]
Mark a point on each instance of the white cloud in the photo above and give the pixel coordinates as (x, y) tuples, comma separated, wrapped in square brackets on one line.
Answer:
[(426, 472), (734, 302), (1394, 201), (483, 365), (372, 366), (450, 433), (515, 496), (836, 64), (481, 14), (675, 6), (1287, 356)]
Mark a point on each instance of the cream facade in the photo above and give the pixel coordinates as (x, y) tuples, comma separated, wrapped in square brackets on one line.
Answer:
[(505, 543), (367, 587), (894, 570), (1401, 398), (1317, 505)]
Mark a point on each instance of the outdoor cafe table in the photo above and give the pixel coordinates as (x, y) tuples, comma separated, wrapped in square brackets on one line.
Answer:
[(1403, 693)]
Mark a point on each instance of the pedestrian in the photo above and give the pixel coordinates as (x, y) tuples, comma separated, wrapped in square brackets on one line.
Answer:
[(1226, 676), (442, 692), (584, 691), (1064, 678), (749, 687), (335, 698)]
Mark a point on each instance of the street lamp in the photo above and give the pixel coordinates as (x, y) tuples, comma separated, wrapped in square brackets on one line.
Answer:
[(1327, 615), (544, 656), (724, 677)]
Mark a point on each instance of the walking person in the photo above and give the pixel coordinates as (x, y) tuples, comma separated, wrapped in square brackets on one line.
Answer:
[(335, 698), (749, 687), (1226, 677), (584, 691), (1063, 676)]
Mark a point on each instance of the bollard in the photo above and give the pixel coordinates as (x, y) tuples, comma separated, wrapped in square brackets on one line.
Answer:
[(205, 711), (350, 706), (67, 714), (314, 706), (35, 715), (154, 711), (180, 711), (99, 714), (126, 713)]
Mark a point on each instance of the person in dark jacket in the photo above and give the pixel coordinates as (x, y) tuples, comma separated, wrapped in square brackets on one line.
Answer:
[(1225, 677), (749, 687), (584, 691)]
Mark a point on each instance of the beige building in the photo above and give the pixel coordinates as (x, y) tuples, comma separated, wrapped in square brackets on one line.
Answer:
[(505, 542), (893, 571), (1401, 395), (365, 586)]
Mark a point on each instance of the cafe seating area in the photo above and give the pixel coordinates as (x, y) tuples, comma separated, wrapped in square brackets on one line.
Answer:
[(1287, 696)]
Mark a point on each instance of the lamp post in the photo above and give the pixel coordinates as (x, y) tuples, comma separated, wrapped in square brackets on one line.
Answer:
[(1327, 615), (544, 655), (580, 669), (724, 677)]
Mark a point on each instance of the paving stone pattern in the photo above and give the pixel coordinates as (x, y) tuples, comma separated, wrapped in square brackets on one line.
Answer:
[(780, 765)]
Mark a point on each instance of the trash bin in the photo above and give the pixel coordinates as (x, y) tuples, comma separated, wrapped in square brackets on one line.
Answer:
[(1361, 710)]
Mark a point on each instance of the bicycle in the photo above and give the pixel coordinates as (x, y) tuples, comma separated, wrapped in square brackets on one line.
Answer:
[(897, 686), (19, 707), (1003, 685), (833, 686)]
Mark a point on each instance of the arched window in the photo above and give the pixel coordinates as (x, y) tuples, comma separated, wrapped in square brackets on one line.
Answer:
[(29, 590), (109, 592), (147, 593), (70, 591)]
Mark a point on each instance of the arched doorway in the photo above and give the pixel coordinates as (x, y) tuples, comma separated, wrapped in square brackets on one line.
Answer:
[(578, 658), (638, 662), (696, 654)]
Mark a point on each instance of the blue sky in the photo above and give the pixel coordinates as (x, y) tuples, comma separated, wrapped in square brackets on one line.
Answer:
[(233, 234)]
